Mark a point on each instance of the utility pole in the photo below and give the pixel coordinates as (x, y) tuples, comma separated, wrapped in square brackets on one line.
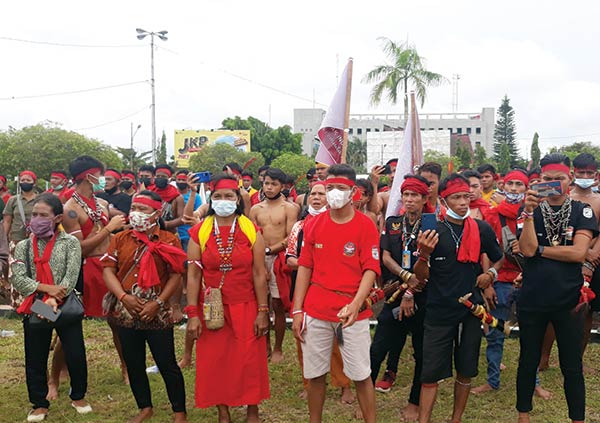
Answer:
[(455, 78), (131, 150)]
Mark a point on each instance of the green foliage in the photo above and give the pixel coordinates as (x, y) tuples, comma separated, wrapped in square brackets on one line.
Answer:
[(505, 132), (161, 156), (270, 142), (295, 165), (573, 150), (45, 147), (480, 156), (535, 151), (139, 159), (442, 159), (406, 72), (505, 161), (465, 158), (356, 154), (212, 159)]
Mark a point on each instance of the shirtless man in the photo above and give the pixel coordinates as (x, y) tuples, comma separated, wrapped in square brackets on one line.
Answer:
[(275, 216), (478, 206), (432, 171), (86, 218)]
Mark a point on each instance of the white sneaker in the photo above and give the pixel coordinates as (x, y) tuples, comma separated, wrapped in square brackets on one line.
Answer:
[(152, 369), (36, 417), (85, 409)]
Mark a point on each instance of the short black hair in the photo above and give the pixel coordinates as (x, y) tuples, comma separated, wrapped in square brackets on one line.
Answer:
[(164, 166), (147, 168), (83, 163), (342, 170), (263, 168), (366, 184), (51, 200), (431, 167), (451, 177), (471, 174), (234, 167), (182, 172), (214, 180), (310, 173), (153, 195), (534, 171), (277, 175), (486, 167), (585, 161), (248, 173), (390, 161), (555, 158)]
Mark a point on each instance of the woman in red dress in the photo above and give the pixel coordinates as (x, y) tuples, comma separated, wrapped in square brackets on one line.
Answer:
[(227, 251)]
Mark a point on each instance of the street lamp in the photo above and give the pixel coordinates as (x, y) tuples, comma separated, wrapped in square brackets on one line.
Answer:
[(142, 33), (132, 151)]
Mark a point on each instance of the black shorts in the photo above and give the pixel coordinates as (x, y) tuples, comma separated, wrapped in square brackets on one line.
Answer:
[(441, 341)]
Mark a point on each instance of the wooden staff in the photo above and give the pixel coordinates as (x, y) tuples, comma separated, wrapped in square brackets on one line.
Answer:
[(481, 313)]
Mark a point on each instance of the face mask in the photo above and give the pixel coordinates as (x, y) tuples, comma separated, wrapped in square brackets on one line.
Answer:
[(182, 185), (42, 227), (595, 188), (314, 212), (26, 186), (224, 208), (140, 221), (584, 183), (126, 185), (99, 186), (58, 187), (161, 183), (451, 213), (146, 181), (286, 192), (275, 197), (514, 198), (111, 191), (338, 198)]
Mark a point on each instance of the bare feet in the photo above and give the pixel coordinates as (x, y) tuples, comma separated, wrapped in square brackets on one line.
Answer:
[(348, 396), (481, 389), (523, 418), (276, 357), (502, 367), (186, 361), (180, 417), (252, 414), (224, 416), (542, 393), (145, 414), (303, 395), (358, 415), (410, 413), (52, 391)]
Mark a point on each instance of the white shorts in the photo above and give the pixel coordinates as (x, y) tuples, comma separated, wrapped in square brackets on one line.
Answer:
[(273, 289), (318, 343)]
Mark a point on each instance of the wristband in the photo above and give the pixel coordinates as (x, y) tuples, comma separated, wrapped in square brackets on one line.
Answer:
[(424, 259), (526, 215), (297, 312), (408, 294), (589, 266), (191, 311), (123, 295), (492, 271), (263, 309)]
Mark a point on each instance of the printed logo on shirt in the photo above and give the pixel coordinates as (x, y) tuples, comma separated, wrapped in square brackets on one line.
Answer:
[(349, 249), (375, 252), (440, 258), (395, 226), (587, 212), (318, 245)]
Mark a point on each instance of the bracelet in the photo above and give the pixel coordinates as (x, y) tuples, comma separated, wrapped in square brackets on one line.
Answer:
[(123, 295), (424, 259), (405, 275), (191, 311), (408, 294), (263, 309), (492, 271), (297, 312), (526, 215), (589, 265)]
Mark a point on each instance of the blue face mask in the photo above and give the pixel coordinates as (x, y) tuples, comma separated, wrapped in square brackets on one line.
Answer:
[(224, 208), (100, 185), (584, 183), (451, 213)]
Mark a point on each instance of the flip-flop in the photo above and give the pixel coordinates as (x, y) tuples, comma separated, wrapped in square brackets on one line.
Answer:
[(36, 417), (82, 410)]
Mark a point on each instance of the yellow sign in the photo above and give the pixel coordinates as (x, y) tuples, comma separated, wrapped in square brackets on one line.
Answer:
[(189, 142)]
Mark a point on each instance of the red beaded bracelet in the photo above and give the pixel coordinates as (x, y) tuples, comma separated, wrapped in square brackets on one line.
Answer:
[(123, 295), (191, 311)]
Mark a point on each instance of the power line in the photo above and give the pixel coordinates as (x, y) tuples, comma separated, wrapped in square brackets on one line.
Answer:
[(85, 90), (50, 43), (113, 121)]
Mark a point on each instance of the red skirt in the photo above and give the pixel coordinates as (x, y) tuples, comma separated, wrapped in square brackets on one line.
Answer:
[(231, 363), (94, 287)]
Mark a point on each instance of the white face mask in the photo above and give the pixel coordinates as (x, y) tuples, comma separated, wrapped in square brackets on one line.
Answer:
[(314, 212), (224, 208), (455, 215), (584, 183), (140, 221), (338, 198)]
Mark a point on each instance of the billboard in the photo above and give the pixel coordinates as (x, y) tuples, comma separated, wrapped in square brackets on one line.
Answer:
[(190, 141)]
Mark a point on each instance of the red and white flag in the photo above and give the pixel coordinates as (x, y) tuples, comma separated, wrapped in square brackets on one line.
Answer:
[(331, 132), (409, 157)]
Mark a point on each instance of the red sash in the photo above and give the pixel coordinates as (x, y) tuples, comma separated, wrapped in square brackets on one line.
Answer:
[(43, 272)]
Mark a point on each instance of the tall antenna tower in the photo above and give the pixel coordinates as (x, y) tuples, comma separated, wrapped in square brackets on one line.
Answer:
[(455, 79)]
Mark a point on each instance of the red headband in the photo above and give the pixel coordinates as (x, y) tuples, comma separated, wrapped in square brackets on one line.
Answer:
[(455, 186), (165, 170), (58, 175), (226, 184), (113, 174), (129, 173), (87, 172), (560, 167), (392, 162), (156, 205), (413, 184), (344, 181), (246, 178), (534, 176), (181, 177), (317, 183), (515, 175), (235, 171), (28, 173)]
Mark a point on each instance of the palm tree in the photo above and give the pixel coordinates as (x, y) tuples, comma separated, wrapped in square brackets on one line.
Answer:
[(407, 70), (138, 158), (357, 154)]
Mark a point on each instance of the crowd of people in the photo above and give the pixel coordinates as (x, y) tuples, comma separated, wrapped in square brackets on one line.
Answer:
[(464, 256)]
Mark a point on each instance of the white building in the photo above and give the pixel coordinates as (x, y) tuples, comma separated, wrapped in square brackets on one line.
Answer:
[(478, 125)]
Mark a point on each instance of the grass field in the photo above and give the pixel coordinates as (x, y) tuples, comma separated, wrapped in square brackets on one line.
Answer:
[(113, 401)]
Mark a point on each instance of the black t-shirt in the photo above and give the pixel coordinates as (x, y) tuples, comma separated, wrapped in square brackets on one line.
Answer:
[(119, 200), (550, 285), (449, 279), (392, 241)]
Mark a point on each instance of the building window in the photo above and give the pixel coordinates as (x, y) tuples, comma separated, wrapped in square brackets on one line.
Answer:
[(478, 131), (368, 129), (450, 129), (350, 131), (459, 130), (359, 131), (477, 143), (376, 129), (468, 131)]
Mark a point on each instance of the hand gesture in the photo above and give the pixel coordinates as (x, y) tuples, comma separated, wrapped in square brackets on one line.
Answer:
[(531, 201), (116, 223), (149, 311), (56, 291), (133, 304), (427, 241), (192, 181), (376, 173)]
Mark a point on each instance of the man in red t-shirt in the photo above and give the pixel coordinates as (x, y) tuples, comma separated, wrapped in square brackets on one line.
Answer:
[(337, 268)]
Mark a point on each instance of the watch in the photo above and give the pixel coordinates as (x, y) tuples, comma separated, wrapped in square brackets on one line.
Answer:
[(160, 302), (268, 251), (540, 250)]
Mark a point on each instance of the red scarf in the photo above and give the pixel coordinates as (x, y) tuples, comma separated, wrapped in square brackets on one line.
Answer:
[(510, 211), (167, 194), (480, 204), (175, 257), (43, 272), (468, 252)]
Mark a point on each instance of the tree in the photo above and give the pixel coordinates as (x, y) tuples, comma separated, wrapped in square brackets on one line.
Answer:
[(535, 152), (480, 156), (442, 159), (266, 140), (356, 154), (132, 160), (212, 159), (464, 156), (505, 161), (295, 165), (161, 156), (406, 72), (45, 147), (505, 132), (573, 150)]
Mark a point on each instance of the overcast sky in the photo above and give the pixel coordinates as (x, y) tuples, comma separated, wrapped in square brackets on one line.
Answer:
[(543, 55)]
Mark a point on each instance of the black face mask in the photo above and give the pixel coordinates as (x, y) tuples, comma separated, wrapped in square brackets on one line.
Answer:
[(275, 197), (182, 185), (161, 183), (126, 185), (286, 192), (146, 181), (110, 191), (26, 186)]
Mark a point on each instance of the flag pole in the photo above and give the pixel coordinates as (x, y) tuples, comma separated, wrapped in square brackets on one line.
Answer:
[(413, 117), (347, 112)]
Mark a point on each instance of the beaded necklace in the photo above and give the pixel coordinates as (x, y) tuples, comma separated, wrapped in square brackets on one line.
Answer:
[(406, 237), (94, 215), (224, 251)]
